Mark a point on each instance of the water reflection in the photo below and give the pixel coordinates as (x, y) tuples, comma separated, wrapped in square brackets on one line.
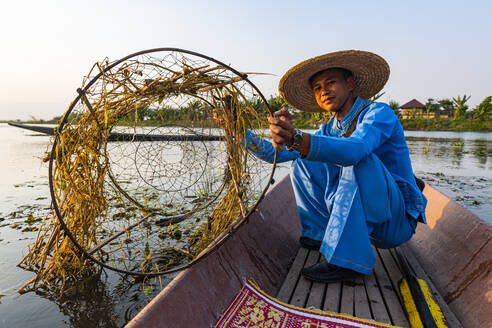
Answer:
[(482, 151), (104, 299), (86, 303), (469, 156), (458, 167), (457, 153)]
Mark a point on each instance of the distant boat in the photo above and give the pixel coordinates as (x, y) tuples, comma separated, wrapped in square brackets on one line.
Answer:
[(115, 136), (41, 129)]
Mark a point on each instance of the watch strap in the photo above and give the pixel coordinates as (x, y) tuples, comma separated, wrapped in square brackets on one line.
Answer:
[(296, 140)]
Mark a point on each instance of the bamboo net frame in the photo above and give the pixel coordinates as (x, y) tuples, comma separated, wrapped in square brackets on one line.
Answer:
[(148, 208)]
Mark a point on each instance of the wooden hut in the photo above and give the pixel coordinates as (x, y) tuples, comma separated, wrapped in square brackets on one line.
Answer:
[(415, 109)]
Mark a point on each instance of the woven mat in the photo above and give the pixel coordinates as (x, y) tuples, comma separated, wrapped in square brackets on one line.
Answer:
[(253, 308)]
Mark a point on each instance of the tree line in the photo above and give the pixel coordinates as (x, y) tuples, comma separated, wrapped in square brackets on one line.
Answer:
[(458, 107), (198, 110)]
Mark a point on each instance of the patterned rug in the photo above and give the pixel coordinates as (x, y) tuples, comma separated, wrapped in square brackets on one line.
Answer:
[(253, 308)]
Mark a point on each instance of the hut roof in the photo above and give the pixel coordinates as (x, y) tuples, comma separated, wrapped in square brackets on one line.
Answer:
[(414, 103)]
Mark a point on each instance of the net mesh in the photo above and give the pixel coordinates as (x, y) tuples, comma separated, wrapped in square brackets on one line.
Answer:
[(149, 166)]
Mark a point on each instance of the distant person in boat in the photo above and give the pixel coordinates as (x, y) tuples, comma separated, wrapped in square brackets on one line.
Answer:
[(352, 178)]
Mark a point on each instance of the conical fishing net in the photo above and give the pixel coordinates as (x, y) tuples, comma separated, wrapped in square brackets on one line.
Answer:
[(143, 178)]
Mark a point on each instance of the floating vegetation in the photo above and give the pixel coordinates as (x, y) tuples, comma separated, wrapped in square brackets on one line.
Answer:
[(149, 200), (472, 192)]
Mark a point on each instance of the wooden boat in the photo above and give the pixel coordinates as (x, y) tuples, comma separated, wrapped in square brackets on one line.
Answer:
[(121, 137), (453, 252)]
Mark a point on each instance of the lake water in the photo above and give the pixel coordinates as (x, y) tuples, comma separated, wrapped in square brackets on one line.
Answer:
[(458, 164)]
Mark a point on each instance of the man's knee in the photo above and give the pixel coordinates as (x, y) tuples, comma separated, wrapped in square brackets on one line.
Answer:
[(393, 233)]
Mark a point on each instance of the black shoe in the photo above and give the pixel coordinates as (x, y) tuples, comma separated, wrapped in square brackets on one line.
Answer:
[(309, 243), (326, 272), (420, 183)]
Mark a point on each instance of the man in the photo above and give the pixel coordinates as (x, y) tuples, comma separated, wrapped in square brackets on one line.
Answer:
[(352, 179)]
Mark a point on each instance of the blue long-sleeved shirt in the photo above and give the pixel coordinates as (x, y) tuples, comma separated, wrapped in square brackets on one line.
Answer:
[(378, 131)]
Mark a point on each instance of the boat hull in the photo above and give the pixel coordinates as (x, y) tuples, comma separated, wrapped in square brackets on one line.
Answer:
[(455, 249)]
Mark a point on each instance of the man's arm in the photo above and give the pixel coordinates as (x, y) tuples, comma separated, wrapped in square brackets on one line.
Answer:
[(264, 150), (376, 127), (258, 146)]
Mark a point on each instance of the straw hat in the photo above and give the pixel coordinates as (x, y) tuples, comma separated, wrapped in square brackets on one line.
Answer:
[(370, 71)]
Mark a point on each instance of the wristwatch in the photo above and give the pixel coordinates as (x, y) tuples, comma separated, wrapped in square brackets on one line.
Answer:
[(296, 140)]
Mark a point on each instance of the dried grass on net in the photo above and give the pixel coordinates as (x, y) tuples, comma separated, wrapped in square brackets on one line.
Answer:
[(149, 206)]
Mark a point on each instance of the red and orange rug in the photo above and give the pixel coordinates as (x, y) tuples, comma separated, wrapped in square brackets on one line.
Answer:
[(254, 308)]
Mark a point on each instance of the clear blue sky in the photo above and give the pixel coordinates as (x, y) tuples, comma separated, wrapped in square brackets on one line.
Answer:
[(438, 49)]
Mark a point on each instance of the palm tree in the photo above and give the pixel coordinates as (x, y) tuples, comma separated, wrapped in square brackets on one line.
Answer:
[(484, 108), (447, 105), (460, 106), (395, 106), (276, 102), (432, 106)]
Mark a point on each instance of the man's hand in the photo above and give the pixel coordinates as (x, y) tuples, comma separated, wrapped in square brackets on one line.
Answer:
[(281, 129)]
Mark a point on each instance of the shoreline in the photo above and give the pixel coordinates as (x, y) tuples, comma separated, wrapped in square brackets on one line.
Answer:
[(445, 125), (451, 125)]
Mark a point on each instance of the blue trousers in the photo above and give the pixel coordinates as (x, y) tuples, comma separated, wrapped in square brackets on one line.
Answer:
[(350, 208)]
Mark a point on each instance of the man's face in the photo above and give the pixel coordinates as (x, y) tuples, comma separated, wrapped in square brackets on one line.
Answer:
[(332, 90)]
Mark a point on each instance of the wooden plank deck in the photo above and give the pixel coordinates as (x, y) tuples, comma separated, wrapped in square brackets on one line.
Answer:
[(374, 297)]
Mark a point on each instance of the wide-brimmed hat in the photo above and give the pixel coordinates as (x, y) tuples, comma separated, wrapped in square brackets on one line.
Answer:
[(370, 72)]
